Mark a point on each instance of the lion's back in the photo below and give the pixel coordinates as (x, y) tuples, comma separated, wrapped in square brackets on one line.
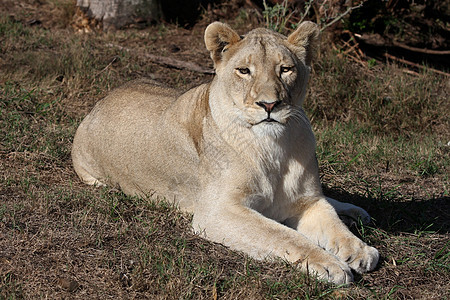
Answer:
[(114, 141)]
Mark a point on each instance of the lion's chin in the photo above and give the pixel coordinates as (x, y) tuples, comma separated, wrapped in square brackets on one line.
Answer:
[(269, 128)]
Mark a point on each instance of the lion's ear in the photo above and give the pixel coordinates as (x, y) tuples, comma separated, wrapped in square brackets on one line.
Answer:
[(217, 37), (306, 38)]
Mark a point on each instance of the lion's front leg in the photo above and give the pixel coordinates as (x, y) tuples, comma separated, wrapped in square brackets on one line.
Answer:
[(321, 224), (229, 222)]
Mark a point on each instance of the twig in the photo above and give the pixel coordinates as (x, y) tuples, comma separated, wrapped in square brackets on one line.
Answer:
[(338, 52), (167, 61), (105, 68), (306, 11), (341, 16), (410, 72), (361, 54), (357, 60), (404, 61), (351, 49)]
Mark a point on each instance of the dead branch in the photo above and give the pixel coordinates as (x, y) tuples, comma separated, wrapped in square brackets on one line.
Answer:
[(167, 61), (355, 41), (379, 41), (426, 51), (404, 61)]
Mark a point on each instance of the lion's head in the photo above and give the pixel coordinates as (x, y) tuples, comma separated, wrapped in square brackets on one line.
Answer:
[(261, 77)]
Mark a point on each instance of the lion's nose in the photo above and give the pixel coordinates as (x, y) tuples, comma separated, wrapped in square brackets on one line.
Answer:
[(268, 106)]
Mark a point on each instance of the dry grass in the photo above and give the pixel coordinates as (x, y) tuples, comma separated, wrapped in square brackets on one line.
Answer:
[(382, 143)]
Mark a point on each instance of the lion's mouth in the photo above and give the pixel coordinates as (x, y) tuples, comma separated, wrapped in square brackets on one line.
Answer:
[(267, 120)]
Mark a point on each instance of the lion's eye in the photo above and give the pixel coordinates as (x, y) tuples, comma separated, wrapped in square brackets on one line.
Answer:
[(244, 71), (285, 69)]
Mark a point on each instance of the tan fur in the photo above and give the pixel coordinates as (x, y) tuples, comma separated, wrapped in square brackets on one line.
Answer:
[(251, 181)]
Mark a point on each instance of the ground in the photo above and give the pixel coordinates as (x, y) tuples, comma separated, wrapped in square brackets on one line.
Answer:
[(382, 136)]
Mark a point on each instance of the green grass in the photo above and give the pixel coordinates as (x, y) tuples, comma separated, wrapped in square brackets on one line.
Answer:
[(381, 139), (387, 102), (350, 146)]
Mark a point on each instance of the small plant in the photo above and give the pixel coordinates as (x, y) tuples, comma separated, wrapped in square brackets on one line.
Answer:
[(371, 63), (426, 167), (277, 16), (442, 258)]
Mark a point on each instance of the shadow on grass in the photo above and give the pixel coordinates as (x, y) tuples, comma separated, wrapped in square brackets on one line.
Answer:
[(398, 215)]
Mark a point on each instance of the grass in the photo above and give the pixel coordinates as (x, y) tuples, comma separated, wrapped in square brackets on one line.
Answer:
[(381, 135)]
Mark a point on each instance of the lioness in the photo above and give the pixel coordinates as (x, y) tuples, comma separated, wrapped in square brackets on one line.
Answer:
[(238, 153)]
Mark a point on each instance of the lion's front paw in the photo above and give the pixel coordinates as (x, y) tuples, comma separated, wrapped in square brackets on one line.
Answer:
[(328, 267), (358, 255), (355, 213), (350, 213), (366, 259)]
